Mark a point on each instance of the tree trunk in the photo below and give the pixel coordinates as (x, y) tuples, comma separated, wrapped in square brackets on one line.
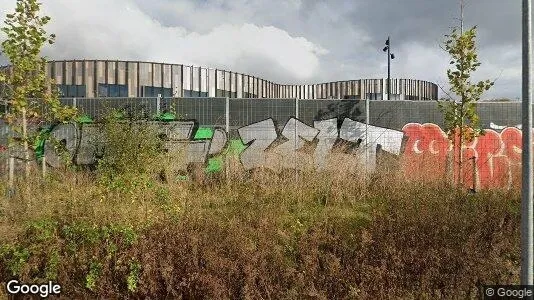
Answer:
[(25, 143)]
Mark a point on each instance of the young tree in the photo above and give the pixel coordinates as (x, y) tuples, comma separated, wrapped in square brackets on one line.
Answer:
[(29, 97), (461, 118)]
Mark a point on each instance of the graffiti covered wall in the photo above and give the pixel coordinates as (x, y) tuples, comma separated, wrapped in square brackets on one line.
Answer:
[(424, 150)]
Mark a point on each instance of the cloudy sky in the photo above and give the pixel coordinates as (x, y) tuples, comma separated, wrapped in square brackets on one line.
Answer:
[(291, 41)]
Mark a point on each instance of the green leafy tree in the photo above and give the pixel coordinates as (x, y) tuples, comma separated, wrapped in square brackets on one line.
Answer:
[(29, 96), (462, 122)]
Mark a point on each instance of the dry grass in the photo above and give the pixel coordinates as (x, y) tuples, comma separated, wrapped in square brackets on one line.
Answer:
[(260, 235), (120, 232)]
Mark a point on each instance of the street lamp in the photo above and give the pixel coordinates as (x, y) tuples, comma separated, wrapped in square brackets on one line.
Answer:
[(390, 57)]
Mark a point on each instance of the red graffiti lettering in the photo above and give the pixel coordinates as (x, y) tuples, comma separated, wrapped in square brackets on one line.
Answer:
[(492, 160), (425, 155)]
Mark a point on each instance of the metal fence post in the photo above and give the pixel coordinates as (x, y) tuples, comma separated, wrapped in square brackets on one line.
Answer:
[(43, 166), (296, 108), (367, 117), (227, 115), (11, 173), (227, 125), (74, 102), (158, 104), (296, 137), (527, 194)]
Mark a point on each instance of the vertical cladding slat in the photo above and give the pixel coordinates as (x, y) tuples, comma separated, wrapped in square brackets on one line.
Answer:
[(79, 67), (239, 85), (121, 73), (145, 77), (203, 80), (110, 72), (89, 78), (156, 76), (218, 81), (116, 73), (74, 71), (246, 89), (233, 84), (251, 86), (254, 87), (153, 73), (186, 79), (227, 80), (195, 80), (177, 72), (100, 76), (166, 76), (58, 72), (211, 82), (131, 79), (67, 72), (95, 79), (49, 74)]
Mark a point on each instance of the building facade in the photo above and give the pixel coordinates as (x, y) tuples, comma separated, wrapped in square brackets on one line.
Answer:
[(107, 78)]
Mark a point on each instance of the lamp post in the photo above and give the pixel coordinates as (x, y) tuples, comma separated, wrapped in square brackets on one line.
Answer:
[(390, 57), (527, 223)]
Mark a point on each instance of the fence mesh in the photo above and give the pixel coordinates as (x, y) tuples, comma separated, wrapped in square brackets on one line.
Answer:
[(410, 130)]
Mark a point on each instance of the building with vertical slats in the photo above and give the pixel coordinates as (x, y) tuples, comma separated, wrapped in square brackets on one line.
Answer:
[(115, 78)]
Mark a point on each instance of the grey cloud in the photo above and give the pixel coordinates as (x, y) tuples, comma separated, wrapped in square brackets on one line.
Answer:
[(351, 31)]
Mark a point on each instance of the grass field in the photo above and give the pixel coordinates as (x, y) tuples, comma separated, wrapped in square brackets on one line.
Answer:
[(121, 232)]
